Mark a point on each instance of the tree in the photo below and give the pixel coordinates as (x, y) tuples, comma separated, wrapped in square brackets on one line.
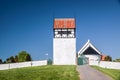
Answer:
[(16, 58), (4, 62), (24, 56), (117, 60), (8, 60), (1, 61), (12, 60), (108, 58), (28, 57)]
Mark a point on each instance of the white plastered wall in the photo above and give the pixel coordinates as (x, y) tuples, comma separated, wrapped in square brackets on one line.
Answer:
[(93, 57), (64, 51), (23, 64)]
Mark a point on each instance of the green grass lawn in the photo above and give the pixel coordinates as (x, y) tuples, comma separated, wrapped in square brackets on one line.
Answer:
[(41, 73), (115, 74)]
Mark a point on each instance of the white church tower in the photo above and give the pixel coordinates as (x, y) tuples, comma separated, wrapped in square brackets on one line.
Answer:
[(64, 41)]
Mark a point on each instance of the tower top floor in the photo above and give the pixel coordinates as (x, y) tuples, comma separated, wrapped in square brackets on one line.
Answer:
[(67, 23)]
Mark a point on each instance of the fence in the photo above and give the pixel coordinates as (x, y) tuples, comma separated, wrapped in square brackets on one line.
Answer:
[(23, 64), (106, 64)]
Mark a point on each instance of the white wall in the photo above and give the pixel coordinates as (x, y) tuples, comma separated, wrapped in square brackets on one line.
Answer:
[(106, 64), (93, 57), (112, 65), (39, 63), (94, 63), (64, 51), (23, 64), (4, 66)]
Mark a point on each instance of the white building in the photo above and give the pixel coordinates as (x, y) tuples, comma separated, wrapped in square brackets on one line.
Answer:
[(90, 52), (64, 41)]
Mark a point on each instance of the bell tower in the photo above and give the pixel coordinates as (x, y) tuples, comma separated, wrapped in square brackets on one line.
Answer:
[(64, 41)]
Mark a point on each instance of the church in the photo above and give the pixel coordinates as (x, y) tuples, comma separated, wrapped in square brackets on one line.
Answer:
[(64, 45), (88, 53), (64, 41)]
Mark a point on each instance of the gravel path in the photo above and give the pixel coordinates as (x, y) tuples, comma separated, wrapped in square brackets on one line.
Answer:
[(88, 73)]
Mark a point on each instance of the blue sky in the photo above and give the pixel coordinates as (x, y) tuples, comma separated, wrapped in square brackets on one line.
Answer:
[(28, 25)]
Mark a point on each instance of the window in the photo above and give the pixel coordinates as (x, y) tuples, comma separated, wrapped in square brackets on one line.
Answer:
[(59, 32), (64, 33), (69, 32)]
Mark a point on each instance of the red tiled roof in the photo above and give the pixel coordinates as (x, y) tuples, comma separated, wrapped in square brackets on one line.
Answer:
[(103, 57), (64, 23)]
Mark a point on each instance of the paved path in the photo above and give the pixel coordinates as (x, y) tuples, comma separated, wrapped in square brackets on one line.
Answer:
[(88, 73)]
